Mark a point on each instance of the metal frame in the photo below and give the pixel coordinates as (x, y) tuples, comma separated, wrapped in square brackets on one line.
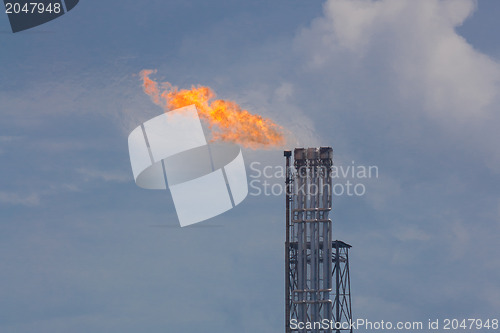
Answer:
[(342, 303)]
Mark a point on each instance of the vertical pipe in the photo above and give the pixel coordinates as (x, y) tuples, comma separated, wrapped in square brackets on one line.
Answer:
[(312, 258), (300, 192), (326, 156), (315, 205), (288, 295), (337, 289), (300, 248), (322, 232)]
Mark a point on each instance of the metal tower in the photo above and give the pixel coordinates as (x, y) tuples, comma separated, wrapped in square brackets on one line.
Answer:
[(317, 282)]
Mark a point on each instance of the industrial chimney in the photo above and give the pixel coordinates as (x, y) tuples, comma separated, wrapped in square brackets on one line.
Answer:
[(317, 282)]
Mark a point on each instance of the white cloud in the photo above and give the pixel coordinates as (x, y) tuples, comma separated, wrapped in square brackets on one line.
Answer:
[(401, 64), (8, 138), (411, 233), (35, 197), (415, 45), (10, 198), (107, 176), (459, 237)]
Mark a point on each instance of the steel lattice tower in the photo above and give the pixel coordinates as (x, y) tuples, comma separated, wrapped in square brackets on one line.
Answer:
[(317, 282)]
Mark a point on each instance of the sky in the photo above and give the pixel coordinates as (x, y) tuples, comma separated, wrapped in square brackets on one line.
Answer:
[(411, 87)]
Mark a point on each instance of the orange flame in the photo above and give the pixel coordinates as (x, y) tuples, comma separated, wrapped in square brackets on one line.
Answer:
[(227, 120)]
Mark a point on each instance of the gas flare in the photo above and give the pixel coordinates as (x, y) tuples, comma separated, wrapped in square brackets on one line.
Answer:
[(226, 119)]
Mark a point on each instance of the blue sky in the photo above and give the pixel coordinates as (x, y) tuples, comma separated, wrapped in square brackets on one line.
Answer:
[(409, 86)]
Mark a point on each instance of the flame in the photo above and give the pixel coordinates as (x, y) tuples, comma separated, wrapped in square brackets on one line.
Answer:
[(150, 86), (226, 119)]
